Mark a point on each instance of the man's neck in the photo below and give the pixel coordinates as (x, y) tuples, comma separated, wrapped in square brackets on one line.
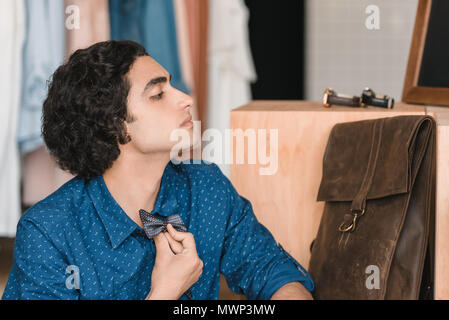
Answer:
[(134, 181)]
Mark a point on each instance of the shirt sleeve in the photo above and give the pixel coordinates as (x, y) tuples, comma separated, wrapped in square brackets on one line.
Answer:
[(39, 269), (252, 262)]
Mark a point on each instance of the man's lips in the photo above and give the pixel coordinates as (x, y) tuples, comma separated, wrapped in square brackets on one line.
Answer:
[(186, 120)]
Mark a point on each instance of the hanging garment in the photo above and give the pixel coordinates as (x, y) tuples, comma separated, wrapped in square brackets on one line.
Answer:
[(185, 60), (231, 68), (43, 52), (197, 12), (152, 24), (41, 175), (93, 24), (12, 34)]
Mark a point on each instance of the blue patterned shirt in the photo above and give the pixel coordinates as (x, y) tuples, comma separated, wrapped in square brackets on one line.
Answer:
[(78, 243)]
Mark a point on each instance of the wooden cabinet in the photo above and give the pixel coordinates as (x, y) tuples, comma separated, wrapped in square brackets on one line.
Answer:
[(285, 202)]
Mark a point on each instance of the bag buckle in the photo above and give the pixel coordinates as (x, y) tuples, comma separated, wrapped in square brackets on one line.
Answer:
[(350, 227)]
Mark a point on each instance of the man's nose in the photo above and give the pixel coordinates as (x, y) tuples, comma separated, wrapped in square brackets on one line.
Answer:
[(186, 101)]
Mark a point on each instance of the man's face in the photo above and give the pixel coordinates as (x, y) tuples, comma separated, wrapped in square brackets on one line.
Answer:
[(157, 107)]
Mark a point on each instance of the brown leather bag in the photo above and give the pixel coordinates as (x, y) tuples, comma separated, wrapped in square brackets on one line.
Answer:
[(376, 235)]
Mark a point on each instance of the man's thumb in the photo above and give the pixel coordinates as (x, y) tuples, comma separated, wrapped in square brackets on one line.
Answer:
[(177, 235)]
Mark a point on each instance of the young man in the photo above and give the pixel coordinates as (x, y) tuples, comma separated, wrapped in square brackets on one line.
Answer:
[(107, 119)]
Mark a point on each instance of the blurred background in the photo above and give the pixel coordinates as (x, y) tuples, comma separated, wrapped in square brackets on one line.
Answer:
[(224, 53)]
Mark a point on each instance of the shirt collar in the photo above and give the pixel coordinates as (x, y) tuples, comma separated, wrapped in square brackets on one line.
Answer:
[(116, 222)]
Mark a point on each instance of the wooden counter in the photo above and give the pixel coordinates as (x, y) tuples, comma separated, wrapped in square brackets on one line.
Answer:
[(285, 202)]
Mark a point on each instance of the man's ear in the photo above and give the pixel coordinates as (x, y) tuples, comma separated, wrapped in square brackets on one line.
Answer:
[(130, 118), (125, 135)]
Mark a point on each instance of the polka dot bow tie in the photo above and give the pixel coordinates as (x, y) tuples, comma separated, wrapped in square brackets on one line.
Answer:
[(155, 224)]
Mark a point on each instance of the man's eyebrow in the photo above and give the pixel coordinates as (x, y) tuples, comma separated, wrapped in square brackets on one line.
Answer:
[(155, 81)]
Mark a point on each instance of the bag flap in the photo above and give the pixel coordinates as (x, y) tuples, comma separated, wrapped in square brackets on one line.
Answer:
[(348, 151)]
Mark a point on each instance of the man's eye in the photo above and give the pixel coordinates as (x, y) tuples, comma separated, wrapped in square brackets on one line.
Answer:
[(158, 96)]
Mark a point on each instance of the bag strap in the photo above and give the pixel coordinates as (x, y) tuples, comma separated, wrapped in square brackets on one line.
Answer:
[(359, 202)]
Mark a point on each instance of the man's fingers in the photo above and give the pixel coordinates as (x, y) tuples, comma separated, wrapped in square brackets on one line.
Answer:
[(186, 238), (161, 243), (175, 246)]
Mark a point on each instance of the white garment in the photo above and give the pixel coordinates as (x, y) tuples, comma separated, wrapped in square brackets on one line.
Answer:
[(12, 33), (230, 66)]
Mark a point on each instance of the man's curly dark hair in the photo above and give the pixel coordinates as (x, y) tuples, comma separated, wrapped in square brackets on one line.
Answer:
[(86, 106)]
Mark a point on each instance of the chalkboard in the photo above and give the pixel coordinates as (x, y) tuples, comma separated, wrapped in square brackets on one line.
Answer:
[(427, 76), (434, 70)]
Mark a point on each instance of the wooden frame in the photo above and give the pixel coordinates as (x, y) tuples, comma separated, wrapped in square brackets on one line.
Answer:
[(412, 93)]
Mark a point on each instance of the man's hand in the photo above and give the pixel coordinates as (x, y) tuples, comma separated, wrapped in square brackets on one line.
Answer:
[(177, 266)]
